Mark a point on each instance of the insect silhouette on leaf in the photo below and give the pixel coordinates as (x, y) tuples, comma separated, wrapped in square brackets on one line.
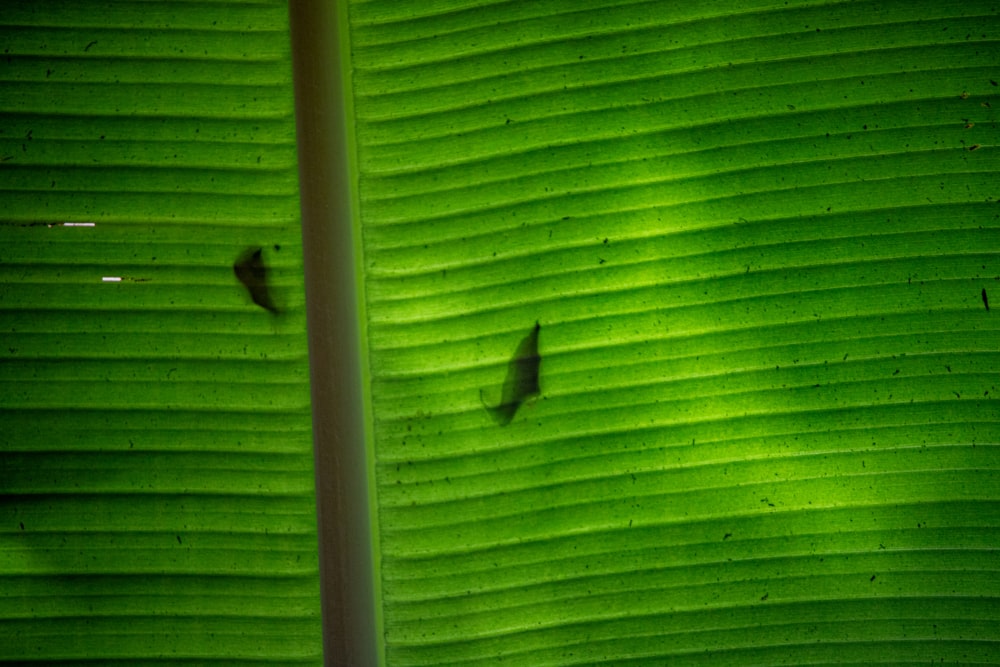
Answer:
[(250, 271), (986, 300), (522, 379)]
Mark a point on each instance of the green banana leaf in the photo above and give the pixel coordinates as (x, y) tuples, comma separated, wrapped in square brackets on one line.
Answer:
[(759, 239), (157, 492), (675, 335)]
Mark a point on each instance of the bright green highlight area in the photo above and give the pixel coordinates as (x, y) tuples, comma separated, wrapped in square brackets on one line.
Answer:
[(757, 238), (157, 494)]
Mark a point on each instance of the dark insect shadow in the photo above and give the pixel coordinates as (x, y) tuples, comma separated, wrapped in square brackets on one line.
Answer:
[(522, 379), (250, 271)]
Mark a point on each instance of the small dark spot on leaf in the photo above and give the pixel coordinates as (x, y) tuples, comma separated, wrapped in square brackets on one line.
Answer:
[(763, 597), (986, 301), (178, 539), (727, 536), (21, 525), (873, 578), (87, 48)]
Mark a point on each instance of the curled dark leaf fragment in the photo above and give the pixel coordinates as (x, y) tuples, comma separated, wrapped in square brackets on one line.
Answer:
[(522, 379), (986, 301), (250, 271)]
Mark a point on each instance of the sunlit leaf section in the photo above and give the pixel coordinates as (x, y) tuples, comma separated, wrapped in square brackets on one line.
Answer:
[(760, 241)]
